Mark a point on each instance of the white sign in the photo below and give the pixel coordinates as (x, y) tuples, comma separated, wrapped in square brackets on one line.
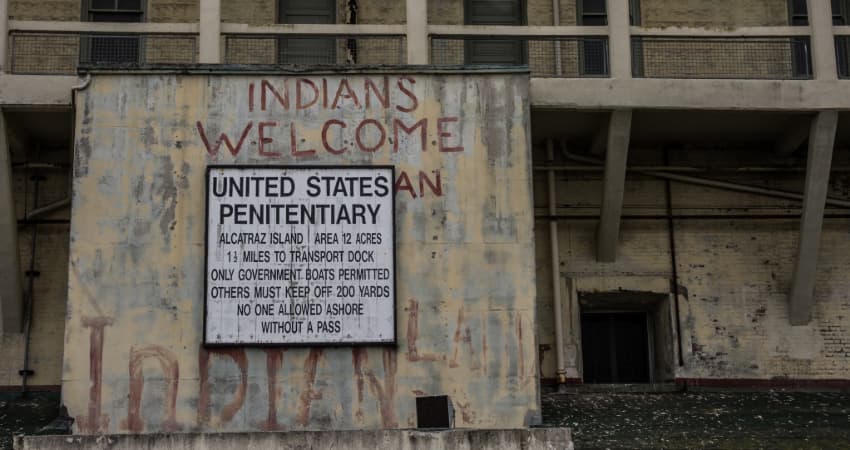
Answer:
[(300, 255)]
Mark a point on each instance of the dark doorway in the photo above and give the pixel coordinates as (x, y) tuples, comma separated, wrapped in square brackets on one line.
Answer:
[(615, 347)]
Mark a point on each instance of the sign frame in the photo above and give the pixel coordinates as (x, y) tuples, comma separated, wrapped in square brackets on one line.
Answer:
[(387, 344)]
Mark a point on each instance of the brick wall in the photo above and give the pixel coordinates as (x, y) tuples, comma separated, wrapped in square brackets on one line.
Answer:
[(714, 13), (50, 289), (175, 10), (734, 275), (45, 10)]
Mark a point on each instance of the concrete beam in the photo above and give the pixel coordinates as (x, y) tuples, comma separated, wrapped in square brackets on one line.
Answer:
[(527, 438), (730, 95), (30, 91), (54, 26), (11, 306), (210, 32), (619, 39), (4, 33), (417, 32), (819, 161), (822, 40), (792, 138), (608, 235)]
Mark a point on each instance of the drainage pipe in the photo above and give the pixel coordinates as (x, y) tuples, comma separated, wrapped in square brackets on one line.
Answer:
[(25, 372), (48, 208), (674, 265), (556, 272)]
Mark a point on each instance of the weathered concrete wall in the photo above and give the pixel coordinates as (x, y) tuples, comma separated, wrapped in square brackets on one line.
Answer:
[(734, 275), (465, 292), (529, 439)]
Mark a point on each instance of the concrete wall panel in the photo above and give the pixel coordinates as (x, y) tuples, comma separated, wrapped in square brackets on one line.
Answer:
[(465, 293)]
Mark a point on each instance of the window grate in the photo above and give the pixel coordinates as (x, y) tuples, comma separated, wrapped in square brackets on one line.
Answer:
[(61, 53), (772, 58), (842, 56)]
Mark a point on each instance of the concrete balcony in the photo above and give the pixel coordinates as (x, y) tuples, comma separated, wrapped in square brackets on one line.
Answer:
[(572, 67)]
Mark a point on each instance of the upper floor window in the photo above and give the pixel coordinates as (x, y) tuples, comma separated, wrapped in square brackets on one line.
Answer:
[(593, 51), (494, 12), (115, 11), (592, 12), (307, 50), (495, 51), (841, 12), (798, 13), (113, 48)]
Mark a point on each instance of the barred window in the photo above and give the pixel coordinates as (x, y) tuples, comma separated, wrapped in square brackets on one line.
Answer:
[(111, 49), (495, 51), (307, 50)]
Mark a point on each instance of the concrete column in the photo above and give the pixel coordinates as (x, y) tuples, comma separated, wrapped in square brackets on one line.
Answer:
[(823, 41), (417, 32), (210, 38), (608, 235), (11, 306), (619, 39), (4, 33), (819, 160)]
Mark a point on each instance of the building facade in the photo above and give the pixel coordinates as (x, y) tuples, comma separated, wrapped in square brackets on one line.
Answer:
[(660, 197)]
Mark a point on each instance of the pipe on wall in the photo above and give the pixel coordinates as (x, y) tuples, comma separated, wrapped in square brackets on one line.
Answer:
[(556, 273), (26, 372)]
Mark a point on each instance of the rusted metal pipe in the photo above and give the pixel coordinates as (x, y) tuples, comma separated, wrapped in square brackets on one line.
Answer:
[(674, 265), (25, 372), (48, 208), (556, 273), (715, 183)]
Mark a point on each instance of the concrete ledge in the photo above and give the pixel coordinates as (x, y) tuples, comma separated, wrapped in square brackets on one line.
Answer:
[(657, 93), (42, 90), (527, 439)]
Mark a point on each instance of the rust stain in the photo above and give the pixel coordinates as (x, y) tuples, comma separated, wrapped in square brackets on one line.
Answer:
[(413, 334), (308, 394), (274, 362), (358, 357), (94, 422), (484, 345), (386, 393), (170, 370), (519, 346), (463, 336), (229, 410), (466, 413)]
